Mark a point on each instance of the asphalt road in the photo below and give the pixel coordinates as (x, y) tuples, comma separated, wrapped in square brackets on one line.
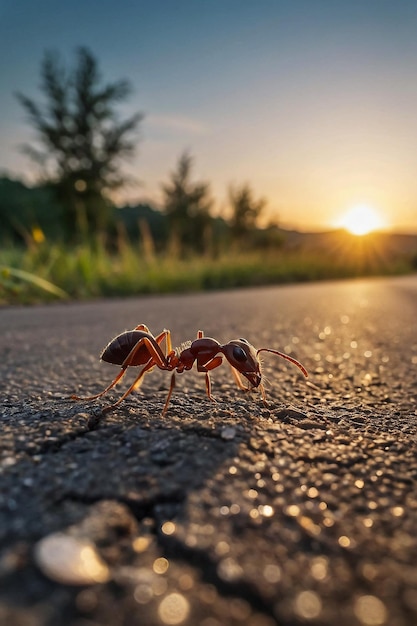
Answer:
[(218, 514)]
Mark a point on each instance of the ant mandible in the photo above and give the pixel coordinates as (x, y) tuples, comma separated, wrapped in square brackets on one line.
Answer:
[(139, 347)]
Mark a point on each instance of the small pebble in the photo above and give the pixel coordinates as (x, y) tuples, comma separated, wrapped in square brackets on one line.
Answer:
[(228, 433), (70, 561)]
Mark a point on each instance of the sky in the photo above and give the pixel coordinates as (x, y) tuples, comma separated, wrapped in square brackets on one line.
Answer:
[(313, 103)]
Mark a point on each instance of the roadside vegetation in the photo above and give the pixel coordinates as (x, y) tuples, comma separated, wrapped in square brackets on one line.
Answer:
[(45, 271), (65, 238)]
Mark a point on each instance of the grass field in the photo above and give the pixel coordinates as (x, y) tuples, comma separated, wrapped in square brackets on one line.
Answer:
[(43, 272)]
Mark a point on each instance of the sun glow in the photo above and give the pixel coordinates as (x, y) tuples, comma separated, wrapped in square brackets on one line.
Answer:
[(361, 220)]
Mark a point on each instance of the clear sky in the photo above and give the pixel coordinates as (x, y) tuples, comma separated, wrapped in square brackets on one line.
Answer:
[(312, 102)]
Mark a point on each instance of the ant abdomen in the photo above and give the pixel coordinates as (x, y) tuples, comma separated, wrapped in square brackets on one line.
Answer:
[(120, 347)]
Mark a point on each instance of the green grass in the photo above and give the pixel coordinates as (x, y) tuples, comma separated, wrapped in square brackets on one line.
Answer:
[(45, 271)]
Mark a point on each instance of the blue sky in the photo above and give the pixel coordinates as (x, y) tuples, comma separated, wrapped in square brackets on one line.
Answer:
[(312, 102)]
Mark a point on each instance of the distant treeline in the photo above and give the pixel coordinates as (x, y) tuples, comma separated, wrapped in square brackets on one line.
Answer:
[(81, 144), (32, 214)]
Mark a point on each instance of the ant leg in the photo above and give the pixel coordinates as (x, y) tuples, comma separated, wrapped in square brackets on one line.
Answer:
[(207, 367), (135, 385), (142, 327), (210, 365), (98, 395), (157, 358), (208, 388), (158, 339), (167, 335), (171, 389), (238, 379), (263, 394), (153, 345)]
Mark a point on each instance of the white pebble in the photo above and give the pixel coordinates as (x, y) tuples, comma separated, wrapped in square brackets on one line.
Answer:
[(70, 561)]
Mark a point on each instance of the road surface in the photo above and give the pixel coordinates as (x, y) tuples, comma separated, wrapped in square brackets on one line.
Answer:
[(218, 514)]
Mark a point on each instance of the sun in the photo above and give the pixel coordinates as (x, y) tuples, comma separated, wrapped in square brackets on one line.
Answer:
[(361, 220)]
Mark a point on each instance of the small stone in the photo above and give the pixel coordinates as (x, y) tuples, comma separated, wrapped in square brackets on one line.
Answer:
[(228, 433), (70, 561)]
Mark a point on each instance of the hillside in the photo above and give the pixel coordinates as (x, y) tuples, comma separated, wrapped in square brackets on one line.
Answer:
[(391, 243)]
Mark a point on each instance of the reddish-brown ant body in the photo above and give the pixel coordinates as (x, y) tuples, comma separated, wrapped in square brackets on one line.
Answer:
[(139, 347)]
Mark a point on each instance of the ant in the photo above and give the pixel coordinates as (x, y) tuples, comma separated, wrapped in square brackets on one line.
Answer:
[(139, 347)]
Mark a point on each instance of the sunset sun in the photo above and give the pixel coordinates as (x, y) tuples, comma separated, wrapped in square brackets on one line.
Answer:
[(361, 220)]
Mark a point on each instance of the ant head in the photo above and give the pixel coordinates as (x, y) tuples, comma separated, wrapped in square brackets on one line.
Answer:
[(243, 357)]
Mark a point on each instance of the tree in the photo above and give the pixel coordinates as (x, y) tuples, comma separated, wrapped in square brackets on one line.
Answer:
[(245, 212), (187, 206), (82, 139)]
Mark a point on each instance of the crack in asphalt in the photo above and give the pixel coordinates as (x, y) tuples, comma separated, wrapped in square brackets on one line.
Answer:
[(165, 508)]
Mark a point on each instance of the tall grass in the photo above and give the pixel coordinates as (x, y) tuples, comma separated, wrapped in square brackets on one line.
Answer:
[(91, 271)]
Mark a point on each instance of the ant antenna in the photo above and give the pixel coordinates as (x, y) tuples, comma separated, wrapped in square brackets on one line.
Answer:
[(287, 357)]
